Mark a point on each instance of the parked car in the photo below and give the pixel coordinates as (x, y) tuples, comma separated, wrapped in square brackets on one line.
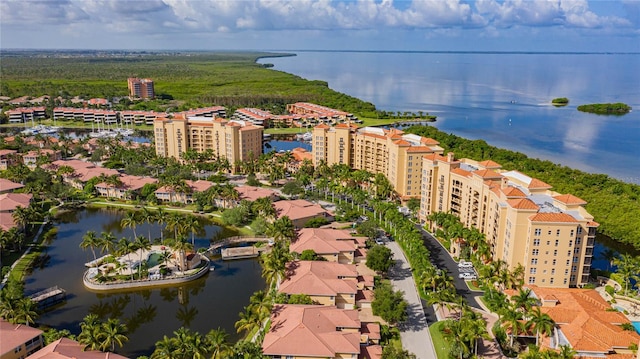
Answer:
[(467, 276), (464, 264)]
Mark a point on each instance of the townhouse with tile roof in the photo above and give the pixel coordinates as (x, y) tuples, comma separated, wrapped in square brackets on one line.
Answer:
[(312, 331), (19, 340), (550, 234), (170, 194), (585, 322), (301, 211), (65, 348), (334, 245)]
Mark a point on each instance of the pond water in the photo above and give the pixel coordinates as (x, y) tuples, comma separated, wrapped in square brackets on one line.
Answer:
[(207, 303)]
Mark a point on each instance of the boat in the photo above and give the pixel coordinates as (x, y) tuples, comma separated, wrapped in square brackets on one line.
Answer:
[(307, 136)]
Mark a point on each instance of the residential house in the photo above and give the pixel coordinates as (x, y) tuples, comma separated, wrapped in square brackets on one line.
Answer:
[(128, 187), (7, 186), (251, 193), (327, 283), (334, 245), (300, 211), (7, 158), (312, 331), (65, 348), (31, 158), (17, 341), (170, 194)]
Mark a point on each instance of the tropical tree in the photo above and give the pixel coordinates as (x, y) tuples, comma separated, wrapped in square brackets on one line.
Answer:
[(249, 320), (90, 332), (142, 244), (513, 321), (131, 220), (107, 242), (92, 241), (21, 217), (191, 224), (218, 343), (524, 301), (541, 322), (282, 229), (181, 246), (112, 332), (629, 268)]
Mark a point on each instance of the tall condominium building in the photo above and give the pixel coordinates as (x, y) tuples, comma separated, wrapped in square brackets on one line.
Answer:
[(142, 88), (234, 140), (550, 234), (391, 152)]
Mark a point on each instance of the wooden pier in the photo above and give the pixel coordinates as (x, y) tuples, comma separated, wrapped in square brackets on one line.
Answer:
[(49, 297), (241, 252)]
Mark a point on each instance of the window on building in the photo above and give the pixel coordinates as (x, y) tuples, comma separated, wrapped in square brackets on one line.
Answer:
[(557, 233), (555, 252), (578, 241), (534, 261), (557, 242), (553, 271), (574, 268), (566, 271), (570, 243), (549, 233), (538, 231), (551, 281), (564, 281), (536, 242), (534, 252), (572, 232), (532, 280), (532, 270), (553, 262)]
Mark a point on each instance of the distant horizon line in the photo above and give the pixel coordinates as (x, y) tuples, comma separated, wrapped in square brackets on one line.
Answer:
[(506, 52)]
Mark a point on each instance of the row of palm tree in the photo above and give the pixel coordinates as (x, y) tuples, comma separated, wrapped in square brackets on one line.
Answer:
[(188, 344), (103, 336)]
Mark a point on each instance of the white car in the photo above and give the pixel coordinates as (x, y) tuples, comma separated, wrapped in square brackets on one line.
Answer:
[(464, 264), (467, 276)]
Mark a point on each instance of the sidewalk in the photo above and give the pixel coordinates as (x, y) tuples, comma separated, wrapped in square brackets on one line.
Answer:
[(487, 348), (414, 332)]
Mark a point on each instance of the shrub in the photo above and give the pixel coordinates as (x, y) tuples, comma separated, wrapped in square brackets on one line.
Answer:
[(610, 290)]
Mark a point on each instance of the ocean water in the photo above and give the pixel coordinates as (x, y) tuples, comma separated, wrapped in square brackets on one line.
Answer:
[(503, 98)]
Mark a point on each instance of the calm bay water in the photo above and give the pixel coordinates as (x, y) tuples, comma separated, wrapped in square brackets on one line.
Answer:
[(501, 98), (208, 303)]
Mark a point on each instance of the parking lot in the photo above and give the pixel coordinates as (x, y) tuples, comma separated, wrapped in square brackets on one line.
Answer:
[(466, 271)]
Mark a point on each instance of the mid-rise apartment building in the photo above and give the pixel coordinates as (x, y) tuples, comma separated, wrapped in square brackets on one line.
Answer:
[(233, 140), (142, 88), (550, 234), (391, 152)]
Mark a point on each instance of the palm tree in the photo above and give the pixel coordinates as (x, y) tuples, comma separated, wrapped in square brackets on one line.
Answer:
[(21, 217), (217, 343), (107, 242), (174, 223), (161, 218), (542, 323), (523, 300), (165, 349), (566, 352), (112, 332), (126, 247), (282, 229), (512, 320), (92, 241), (131, 220), (25, 311), (191, 224), (142, 244), (628, 268), (264, 207), (455, 334), (148, 217), (181, 247), (248, 321), (90, 330)]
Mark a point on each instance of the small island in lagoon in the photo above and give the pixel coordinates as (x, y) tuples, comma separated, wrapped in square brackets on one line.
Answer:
[(560, 101), (617, 109)]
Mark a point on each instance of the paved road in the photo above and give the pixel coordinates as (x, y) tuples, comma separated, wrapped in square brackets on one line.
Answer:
[(441, 259), (415, 331)]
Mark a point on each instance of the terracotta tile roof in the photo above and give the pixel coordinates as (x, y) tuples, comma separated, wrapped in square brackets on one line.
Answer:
[(583, 318), (10, 201), (66, 348), (435, 157), (251, 193), (323, 126), (372, 330), (365, 296), (6, 185), (536, 183), (323, 241), (461, 172), (569, 199), (85, 174), (402, 143), (75, 164), (511, 191), (7, 152), (12, 335), (552, 217), (319, 278), (420, 149), (593, 224), (429, 141), (523, 203), (487, 174), (489, 164), (298, 209), (370, 352), (6, 221), (312, 331)]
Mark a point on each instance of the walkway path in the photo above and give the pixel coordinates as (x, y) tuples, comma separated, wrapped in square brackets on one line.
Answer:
[(414, 333)]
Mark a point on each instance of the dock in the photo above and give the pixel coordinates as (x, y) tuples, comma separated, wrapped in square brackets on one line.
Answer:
[(49, 297), (241, 252)]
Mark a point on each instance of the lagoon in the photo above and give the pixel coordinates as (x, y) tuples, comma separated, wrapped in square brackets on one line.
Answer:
[(208, 303)]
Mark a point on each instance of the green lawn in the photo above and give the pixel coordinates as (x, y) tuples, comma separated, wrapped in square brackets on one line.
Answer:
[(442, 347), (472, 286)]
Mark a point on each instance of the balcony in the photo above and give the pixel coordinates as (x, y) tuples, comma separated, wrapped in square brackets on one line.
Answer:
[(590, 242), (589, 252)]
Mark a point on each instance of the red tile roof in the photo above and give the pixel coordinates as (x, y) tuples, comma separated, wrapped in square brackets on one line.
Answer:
[(569, 199), (298, 209), (66, 348), (10, 201), (323, 241), (489, 164), (319, 278), (523, 203), (13, 335), (312, 331), (6, 185), (552, 217)]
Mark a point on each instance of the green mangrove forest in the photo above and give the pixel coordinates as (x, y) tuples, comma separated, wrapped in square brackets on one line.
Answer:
[(617, 108)]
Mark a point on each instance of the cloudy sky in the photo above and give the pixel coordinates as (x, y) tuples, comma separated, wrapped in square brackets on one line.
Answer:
[(451, 25)]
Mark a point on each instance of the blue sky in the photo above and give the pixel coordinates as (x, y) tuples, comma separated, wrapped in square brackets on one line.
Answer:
[(449, 25)]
